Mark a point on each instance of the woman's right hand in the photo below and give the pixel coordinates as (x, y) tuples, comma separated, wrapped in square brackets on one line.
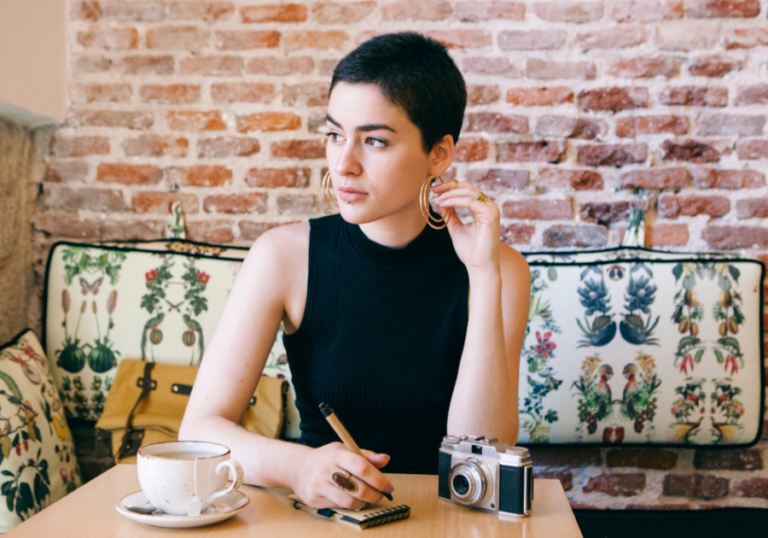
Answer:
[(313, 482)]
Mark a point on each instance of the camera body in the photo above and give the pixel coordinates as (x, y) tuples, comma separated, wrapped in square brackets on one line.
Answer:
[(486, 475)]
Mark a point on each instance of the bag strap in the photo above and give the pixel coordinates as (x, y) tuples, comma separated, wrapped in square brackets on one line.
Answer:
[(147, 385)]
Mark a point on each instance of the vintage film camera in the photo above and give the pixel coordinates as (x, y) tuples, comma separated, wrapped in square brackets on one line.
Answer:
[(486, 475)]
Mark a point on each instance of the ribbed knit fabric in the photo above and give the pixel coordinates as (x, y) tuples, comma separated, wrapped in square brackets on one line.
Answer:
[(380, 341)]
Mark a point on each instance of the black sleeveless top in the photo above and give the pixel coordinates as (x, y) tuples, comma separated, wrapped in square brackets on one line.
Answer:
[(380, 341)]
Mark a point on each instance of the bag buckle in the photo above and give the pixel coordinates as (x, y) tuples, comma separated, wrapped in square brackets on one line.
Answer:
[(152, 383)]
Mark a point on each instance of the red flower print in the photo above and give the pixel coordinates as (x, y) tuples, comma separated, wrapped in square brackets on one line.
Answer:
[(203, 277), (545, 346), (734, 365), (687, 361), (63, 474), (151, 275)]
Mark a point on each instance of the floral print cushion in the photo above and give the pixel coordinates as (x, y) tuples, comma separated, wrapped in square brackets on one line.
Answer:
[(639, 347), (37, 457)]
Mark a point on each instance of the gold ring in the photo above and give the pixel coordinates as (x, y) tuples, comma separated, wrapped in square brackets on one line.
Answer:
[(344, 481), (361, 506), (481, 197), (457, 183)]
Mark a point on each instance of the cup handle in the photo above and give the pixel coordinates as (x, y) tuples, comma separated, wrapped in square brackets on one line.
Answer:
[(237, 470)]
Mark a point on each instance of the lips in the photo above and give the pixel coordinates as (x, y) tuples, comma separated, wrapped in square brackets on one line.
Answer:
[(348, 194)]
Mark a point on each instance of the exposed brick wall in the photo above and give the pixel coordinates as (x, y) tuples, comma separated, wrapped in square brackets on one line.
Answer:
[(578, 111)]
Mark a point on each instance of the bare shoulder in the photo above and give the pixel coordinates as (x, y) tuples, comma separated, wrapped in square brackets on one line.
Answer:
[(514, 267), (286, 241)]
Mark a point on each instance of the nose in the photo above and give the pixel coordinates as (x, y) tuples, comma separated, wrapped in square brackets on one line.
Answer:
[(347, 162)]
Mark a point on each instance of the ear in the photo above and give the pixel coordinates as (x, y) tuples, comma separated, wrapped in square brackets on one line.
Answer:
[(441, 156)]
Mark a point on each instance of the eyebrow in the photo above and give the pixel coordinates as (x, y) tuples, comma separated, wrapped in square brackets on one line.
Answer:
[(365, 128)]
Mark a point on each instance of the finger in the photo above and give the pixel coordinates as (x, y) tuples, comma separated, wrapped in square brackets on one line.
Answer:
[(454, 185), (341, 498), (378, 460), (361, 467), (476, 206), (470, 193)]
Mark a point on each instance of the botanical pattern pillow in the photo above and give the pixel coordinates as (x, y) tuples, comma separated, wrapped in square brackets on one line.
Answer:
[(37, 458)]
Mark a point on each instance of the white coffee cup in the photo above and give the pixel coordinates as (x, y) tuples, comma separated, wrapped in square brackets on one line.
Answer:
[(183, 477)]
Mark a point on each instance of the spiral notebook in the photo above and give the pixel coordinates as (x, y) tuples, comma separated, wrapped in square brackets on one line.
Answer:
[(380, 514)]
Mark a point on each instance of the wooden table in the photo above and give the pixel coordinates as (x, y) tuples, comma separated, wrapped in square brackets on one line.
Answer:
[(90, 511)]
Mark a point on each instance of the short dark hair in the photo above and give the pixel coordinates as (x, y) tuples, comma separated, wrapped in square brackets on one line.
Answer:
[(415, 73)]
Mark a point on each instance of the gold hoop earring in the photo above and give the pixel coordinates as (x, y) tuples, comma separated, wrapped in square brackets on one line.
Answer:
[(327, 187), (424, 202)]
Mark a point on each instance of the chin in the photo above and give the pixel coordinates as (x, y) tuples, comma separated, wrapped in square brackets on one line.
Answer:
[(357, 215)]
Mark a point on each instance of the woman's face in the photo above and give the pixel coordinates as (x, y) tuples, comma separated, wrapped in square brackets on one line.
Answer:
[(375, 154)]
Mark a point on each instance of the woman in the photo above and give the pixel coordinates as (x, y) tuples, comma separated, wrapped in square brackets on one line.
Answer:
[(375, 302)]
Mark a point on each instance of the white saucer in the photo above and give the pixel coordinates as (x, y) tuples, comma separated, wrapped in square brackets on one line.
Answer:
[(223, 508)]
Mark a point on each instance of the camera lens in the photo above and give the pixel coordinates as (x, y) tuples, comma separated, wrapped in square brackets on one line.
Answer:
[(461, 484)]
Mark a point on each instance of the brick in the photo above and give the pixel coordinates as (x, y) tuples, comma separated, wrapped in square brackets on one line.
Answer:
[(609, 212), (133, 11), (268, 121), (190, 38), (327, 67), (482, 94), (315, 39), (752, 208), (699, 9), (109, 38), (244, 202), (277, 177), (570, 127), (731, 124), (155, 146), (538, 209), (556, 456), (170, 94), (253, 230), (85, 11), (210, 231), (616, 484), (200, 10), (540, 96), (425, 10), (306, 94), (90, 64), (490, 66), (497, 180), (297, 204), (227, 146), (552, 151), (298, 149), (88, 199), (714, 65), (280, 66), (691, 205), (756, 487), (195, 120), (643, 125), (246, 39), (493, 122), (212, 66), (689, 150), (243, 92), (551, 69), (686, 36), (565, 477), (489, 11), (642, 458), (65, 171), (614, 99), (612, 154), (746, 38), (274, 13), (695, 485), (693, 95), (532, 39), (159, 202), (573, 12), (752, 149), (581, 236), (647, 10), (578, 180), (78, 146), (619, 36), (517, 233), (654, 178), (201, 175), (641, 67), (101, 93), (144, 65), (726, 238), (129, 174), (471, 149), (66, 225), (113, 118), (335, 13), (69, 225), (756, 94), (704, 178), (462, 39), (662, 234)]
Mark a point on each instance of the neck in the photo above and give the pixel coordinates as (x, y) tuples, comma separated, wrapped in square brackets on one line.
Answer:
[(398, 229)]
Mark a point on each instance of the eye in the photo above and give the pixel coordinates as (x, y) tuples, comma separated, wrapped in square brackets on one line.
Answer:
[(377, 140), (333, 136)]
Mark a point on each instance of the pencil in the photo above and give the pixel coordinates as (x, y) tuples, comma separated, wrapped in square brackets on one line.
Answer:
[(343, 434)]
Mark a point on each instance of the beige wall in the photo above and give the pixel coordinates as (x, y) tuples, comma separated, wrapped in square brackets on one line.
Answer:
[(33, 55)]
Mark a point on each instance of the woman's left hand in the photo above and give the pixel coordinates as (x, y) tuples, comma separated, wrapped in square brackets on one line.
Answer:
[(476, 243)]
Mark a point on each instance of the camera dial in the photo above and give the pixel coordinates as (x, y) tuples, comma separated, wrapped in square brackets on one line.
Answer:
[(468, 483)]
